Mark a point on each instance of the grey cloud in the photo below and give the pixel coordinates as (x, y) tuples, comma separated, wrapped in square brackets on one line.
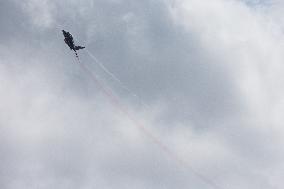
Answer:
[(58, 130)]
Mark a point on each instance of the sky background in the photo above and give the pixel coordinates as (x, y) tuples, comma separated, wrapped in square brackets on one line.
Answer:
[(208, 76)]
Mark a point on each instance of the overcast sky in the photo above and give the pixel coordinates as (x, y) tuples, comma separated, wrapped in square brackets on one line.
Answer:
[(205, 77)]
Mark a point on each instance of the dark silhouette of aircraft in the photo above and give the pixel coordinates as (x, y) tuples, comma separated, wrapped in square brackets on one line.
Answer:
[(68, 39)]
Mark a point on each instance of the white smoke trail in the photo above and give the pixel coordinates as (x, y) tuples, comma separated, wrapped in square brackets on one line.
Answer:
[(105, 69), (116, 102), (114, 77)]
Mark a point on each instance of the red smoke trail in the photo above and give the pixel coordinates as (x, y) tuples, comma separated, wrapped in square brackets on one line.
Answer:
[(116, 103)]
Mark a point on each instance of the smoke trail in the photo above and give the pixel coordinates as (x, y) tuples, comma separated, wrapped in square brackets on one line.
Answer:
[(114, 77), (116, 103), (106, 70)]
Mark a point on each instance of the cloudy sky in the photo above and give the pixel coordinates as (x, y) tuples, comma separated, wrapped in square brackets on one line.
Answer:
[(205, 79)]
